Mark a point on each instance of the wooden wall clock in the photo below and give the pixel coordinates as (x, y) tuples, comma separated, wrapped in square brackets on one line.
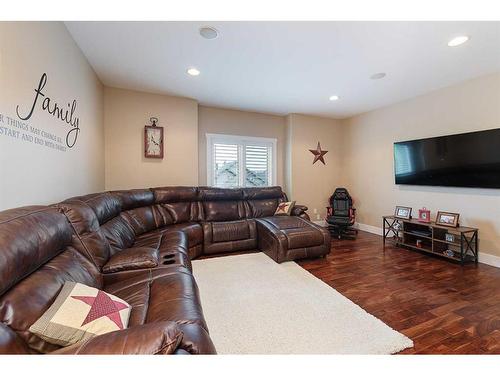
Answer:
[(153, 140)]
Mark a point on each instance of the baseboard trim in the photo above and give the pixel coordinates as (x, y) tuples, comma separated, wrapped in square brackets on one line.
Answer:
[(368, 228), (485, 258), (491, 260)]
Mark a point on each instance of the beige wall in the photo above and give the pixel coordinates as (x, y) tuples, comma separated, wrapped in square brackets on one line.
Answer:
[(126, 114), (307, 183), (368, 162), (250, 124), (31, 173)]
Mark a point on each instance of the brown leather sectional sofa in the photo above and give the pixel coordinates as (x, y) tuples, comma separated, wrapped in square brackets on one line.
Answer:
[(138, 245)]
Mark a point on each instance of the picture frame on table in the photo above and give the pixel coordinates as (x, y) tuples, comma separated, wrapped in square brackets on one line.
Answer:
[(448, 219), (449, 237), (402, 212)]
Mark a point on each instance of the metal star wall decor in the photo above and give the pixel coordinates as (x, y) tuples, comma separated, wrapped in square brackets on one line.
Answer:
[(318, 154)]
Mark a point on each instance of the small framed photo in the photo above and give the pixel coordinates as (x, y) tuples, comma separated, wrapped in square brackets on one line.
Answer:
[(448, 219), (449, 237), (403, 212)]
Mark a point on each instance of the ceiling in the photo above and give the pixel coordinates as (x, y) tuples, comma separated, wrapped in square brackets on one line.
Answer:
[(289, 67)]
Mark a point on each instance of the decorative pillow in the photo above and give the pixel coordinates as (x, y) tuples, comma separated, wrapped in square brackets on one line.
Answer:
[(80, 313), (284, 208)]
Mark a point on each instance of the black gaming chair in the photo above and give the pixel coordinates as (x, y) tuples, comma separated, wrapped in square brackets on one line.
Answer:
[(341, 215)]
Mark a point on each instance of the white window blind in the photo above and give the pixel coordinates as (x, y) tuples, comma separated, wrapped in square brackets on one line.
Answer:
[(257, 165), (226, 171), (234, 161)]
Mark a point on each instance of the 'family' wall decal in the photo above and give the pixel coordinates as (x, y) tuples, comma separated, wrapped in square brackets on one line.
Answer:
[(66, 115)]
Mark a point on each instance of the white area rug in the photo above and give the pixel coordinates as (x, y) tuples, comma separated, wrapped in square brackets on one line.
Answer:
[(255, 306)]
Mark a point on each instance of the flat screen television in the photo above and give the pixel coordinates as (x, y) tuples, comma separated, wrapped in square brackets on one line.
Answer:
[(461, 160)]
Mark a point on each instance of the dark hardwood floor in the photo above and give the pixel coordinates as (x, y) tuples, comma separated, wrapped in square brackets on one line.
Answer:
[(442, 306)]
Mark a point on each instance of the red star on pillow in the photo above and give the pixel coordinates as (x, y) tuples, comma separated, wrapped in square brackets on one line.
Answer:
[(282, 207), (102, 305)]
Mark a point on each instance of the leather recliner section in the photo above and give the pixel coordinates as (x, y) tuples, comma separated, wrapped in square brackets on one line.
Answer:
[(229, 236), (37, 257)]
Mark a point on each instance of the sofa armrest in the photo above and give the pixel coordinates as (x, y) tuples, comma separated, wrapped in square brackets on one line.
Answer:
[(300, 210), (132, 258), (152, 338)]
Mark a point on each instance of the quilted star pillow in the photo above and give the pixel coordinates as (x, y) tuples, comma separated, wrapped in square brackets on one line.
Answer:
[(284, 208), (80, 313)]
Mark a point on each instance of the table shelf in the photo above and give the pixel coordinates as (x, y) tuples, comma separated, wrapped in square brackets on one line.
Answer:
[(407, 232)]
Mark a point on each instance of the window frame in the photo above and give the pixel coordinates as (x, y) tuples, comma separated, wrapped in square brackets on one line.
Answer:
[(240, 140)]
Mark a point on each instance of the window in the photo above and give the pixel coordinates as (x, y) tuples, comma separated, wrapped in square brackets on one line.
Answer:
[(234, 161)]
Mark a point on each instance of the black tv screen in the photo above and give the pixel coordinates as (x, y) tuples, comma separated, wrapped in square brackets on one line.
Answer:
[(461, 160)]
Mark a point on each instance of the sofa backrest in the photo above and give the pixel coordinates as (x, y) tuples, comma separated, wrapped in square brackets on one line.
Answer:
[(178, 204), (108, 222), (222, 204), (36, 259), (263, 202)]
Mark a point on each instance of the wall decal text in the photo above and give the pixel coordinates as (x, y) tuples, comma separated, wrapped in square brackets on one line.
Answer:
[(66, 115), (13, 128)]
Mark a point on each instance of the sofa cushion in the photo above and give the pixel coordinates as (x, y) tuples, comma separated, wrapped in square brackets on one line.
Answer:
[(223, 210), (229, 236), (171, 194), (210, 194), (30, 236), (270, 192), (79, 313), (299, 232), (155, 338), (285, 238), (175, 297), (141, 219), (176, 212), (171, 295), (88, 237), (300, 237), (262, 207), (165, 242), (134, 198), (193, 231), (230, 231), (105, 205), (119, 234), (174, 241), (131, 259)]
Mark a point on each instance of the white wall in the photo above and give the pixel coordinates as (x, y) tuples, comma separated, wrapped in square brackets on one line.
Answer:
[(39, 174), (368, 160)]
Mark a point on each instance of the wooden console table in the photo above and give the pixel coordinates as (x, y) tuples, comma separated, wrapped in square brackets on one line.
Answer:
[(431, 238)]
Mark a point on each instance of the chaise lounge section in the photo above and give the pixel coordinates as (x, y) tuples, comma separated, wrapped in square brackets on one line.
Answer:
[(138, 245)]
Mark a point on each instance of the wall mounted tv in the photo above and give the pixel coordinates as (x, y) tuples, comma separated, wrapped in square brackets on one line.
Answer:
[(461, 160)]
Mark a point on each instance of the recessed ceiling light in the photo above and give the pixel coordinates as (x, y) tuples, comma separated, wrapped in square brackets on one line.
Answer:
[(378, 75), (208, 32), (458, 41), (193, 72), (334, 97)]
